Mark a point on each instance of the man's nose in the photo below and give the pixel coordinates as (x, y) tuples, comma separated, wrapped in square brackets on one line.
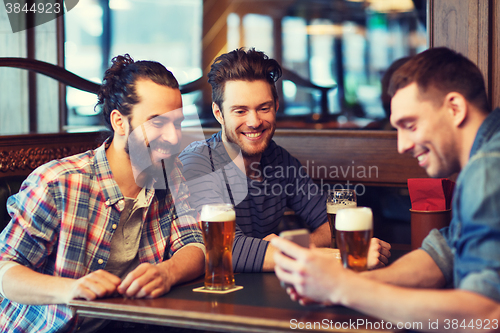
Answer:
[(253, 119), (405, 144), (171, 134)]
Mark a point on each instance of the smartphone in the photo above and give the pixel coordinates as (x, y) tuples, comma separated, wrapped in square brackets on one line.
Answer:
[(298, 236)]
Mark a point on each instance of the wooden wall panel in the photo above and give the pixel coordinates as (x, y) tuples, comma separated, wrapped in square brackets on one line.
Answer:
[(467, 27), (368, 157), (450, 24)]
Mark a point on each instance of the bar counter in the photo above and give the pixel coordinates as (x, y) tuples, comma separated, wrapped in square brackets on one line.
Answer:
[(261, 306)]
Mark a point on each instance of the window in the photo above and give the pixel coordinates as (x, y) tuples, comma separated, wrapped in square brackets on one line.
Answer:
[(167, 31), (342, 45)]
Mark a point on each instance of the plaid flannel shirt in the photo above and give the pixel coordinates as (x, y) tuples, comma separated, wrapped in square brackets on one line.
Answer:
[(62, 224)]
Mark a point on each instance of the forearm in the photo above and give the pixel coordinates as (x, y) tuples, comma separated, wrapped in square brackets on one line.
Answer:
[(249, 254), (186, 264), (25, 286), (321, 237), (269, 264), (404, 305), (405, 273)]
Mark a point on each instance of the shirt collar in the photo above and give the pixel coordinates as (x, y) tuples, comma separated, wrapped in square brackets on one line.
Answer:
[(104, 176), (488, 128)]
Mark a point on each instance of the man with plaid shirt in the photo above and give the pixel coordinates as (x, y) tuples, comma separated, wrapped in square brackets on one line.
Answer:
[(98, 223)]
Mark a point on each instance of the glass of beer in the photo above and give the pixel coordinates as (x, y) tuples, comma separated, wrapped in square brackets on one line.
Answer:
[(338, 199), (218, 222), (354, 233)]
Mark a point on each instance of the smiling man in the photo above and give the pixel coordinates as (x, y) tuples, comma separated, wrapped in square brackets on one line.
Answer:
[(242, 165), (440, 109), (106, 221)]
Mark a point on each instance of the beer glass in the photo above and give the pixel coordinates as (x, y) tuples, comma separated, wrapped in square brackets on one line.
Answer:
[(218, 222), (354, 233), (338, 199)]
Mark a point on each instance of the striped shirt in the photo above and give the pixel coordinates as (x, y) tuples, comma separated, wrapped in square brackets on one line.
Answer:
[(259, 205), (63, 219)]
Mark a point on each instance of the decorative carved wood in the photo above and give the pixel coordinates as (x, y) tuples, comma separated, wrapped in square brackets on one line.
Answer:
[(19, 155)]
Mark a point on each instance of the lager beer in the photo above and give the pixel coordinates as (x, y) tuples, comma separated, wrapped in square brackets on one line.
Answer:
[(338, 199), (218, 225), (354, 233)]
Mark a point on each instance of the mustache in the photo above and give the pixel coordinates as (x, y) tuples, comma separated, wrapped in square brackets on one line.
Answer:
[(164, 145)]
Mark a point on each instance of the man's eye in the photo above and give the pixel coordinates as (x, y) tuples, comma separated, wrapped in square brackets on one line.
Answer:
[(239, 112), (265, 109), (157, 123), (178, 125)]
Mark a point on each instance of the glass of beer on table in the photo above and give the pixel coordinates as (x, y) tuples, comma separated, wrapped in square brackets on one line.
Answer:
[(354, 233), (338, 199), (218, 223)]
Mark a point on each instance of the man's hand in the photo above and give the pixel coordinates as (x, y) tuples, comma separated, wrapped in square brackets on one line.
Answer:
[(97, 284), (269, 237), (146, 281), (378, 254), (313, 273)]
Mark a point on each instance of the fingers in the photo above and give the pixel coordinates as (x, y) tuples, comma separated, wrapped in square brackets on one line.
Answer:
[(284, 275), (385, 245), (289, 248), (378, 254), (124, 287), (294, 296), (284, 261), (145, 281), (377, 245), (95, 285)]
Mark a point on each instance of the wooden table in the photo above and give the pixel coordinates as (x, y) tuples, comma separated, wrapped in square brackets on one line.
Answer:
[(261, 306)]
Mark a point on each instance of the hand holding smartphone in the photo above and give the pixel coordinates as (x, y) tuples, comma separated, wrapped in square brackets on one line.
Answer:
[(299, 237)]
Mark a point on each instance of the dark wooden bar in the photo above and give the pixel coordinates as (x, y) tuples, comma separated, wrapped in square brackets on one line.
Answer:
[(261, 306)]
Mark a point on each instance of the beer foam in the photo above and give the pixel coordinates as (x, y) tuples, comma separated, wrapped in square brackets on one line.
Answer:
[(332, 208), (217, 214), (354, 219)]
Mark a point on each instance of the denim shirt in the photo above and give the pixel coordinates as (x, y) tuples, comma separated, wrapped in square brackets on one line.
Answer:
[(468, 251)]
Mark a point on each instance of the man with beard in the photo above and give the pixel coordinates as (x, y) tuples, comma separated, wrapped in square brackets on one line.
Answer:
[(452, 283), (98, 223), (241, 164)]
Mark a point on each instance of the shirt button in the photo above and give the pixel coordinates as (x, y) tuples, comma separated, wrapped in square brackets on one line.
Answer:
[(100, 261), (120, 204), (114, 226), (108, 202)]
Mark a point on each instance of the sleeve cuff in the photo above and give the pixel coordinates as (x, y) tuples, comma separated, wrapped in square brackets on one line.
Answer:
[(4, 267), (485, 282), (436, 246), (198, 245)]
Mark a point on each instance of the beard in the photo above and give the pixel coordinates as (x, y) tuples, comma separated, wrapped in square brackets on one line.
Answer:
[(144, 164), (249, 151)]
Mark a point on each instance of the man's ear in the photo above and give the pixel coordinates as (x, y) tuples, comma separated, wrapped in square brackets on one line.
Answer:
[(457, 106), (217, 113), (118, 122)]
